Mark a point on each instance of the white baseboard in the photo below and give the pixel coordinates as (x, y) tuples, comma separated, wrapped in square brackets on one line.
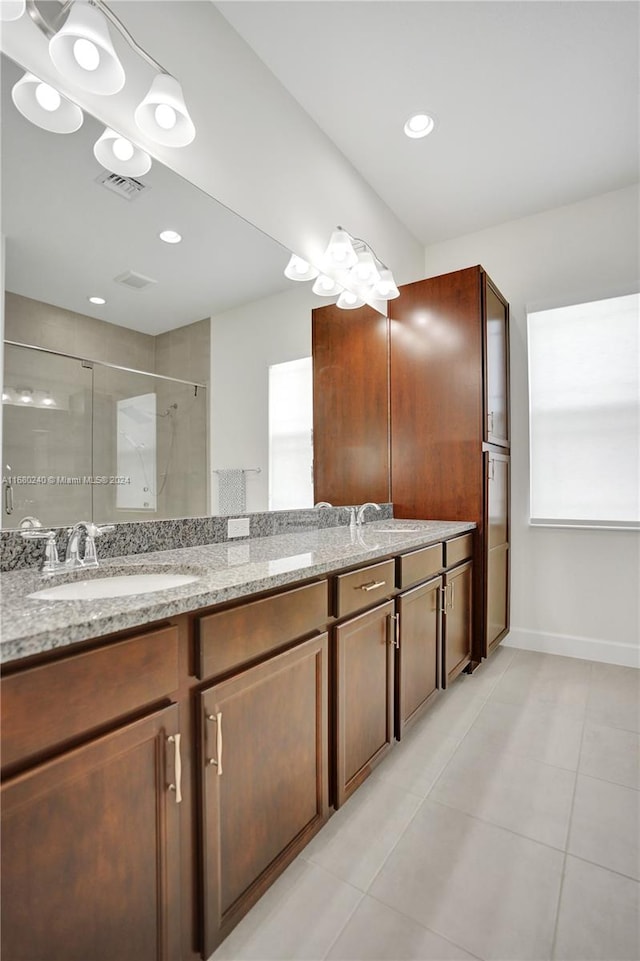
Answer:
[(588, 648)]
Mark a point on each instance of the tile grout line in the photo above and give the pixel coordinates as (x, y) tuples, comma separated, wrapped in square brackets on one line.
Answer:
[(568, 835)]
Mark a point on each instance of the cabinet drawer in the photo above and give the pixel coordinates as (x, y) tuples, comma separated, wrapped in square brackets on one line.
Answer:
[(47, 705), (364, 587), (244, 633), (419, 565), (458, 549)]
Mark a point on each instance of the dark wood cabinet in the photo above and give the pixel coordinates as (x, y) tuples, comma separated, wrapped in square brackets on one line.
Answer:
[(264, 778), (458, 620), (497, 513), (364, 696), (90, 850), (496, 353), (418, 651), (350, 401)]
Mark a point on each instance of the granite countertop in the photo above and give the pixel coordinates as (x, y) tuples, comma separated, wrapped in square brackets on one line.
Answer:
[(225, 571)]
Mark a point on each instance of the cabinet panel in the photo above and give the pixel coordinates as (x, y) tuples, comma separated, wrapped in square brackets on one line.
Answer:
[(90, 860), (497, 367), (350, 405), (497, 499), (458, 549), (497, 593), (264, 737), (364, 696), (364, 587), (457, 620), (418, 651), (239, 634), (436, 340), (72, 694), (419, 565)]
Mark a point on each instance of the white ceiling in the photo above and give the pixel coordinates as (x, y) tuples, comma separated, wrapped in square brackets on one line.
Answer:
[(536, 103)]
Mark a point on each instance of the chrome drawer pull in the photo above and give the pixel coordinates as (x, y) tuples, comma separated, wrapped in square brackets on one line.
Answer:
[(218, 759), (177, 787), (371, 586)]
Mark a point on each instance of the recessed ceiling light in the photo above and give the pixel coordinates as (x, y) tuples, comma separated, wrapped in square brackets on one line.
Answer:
[(96, 300), (419, 125), (170, 236)]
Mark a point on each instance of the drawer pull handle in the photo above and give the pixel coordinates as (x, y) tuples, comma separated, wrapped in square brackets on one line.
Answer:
[(371, 586), (217, 761), (177, 787)]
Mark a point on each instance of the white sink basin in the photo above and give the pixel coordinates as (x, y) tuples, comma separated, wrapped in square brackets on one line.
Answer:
[(121, 586)]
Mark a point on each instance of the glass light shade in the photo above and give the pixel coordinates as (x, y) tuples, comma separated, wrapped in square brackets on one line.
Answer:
[(155, 118), (386, 288), (340, 253), (36, 101), (326, 286), (365, 271), (299, 269), (86, 23), (12, 9), (120, 156), (349, 301)]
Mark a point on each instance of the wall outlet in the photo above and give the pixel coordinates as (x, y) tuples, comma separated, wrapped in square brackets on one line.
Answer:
[(238, 527)]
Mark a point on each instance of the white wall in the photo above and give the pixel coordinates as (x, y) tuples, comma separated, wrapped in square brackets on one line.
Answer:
[(256, 150), (274, 330), (574, 592)]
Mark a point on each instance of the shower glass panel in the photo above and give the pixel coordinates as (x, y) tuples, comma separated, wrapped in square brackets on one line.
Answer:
[(47, 439), (150, 453)]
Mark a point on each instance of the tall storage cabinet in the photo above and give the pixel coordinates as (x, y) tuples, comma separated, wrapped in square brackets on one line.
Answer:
[(445, 405)]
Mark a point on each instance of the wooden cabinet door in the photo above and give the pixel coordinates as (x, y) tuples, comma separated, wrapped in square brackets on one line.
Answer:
[(497, 367), (90, 851), (458, 632), (264, 737), (497, 562), (350, 405), (418, 667), (364, 664)]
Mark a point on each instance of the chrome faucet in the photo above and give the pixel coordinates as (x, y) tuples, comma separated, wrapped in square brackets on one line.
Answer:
[(362, 509), (352, 517), (72, 561), (72, 557)]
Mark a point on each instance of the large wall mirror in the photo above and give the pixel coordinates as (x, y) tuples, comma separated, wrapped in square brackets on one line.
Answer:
[(157, 403)]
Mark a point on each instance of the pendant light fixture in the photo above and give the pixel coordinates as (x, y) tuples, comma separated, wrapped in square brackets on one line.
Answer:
[(120, 156), (326, 286), (349, 301), (41, 103), (83, 52), (340, 253), (361, 275), (163, 115), (299, 269)]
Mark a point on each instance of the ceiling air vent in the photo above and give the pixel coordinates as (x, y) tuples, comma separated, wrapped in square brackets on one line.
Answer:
[(134, 281), (126, 187)]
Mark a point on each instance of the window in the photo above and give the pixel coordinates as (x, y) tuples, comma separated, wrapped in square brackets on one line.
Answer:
[(290, 435), (584, 414)]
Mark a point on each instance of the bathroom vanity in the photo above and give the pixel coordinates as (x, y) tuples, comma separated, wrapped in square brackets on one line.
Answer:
[(164, 757)]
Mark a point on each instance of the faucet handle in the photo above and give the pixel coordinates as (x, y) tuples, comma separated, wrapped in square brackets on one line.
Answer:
[(90, 554), (94, 530), (51, 561)]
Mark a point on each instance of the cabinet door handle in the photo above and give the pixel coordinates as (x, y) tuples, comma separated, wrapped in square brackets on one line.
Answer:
[(177, 761), (395, 630), (371, 586), (217, 760), (443, 599), (453, 584), (490, 421)]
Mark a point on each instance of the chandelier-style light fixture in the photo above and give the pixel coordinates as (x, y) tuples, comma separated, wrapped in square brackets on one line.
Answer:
[(355, 262), (82, 51)]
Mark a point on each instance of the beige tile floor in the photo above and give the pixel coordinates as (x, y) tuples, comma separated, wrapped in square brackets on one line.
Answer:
[(504, 826)]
